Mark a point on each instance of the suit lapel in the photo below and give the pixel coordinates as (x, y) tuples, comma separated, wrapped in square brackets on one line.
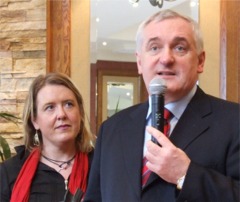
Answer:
[(193, 122), (132, 138)]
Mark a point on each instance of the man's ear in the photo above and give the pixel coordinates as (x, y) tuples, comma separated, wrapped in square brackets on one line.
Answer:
[(139, 65), (201, 61)]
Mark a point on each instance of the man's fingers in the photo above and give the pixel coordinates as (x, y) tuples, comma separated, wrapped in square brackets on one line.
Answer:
[(159, 136)]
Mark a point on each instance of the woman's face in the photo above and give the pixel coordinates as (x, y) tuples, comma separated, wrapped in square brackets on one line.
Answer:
[(58, 116)]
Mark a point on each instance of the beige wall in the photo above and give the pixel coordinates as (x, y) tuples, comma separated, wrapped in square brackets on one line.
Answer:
[(210, 25), (80, 49)]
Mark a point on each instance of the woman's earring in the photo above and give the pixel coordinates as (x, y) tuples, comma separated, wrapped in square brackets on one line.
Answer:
[(36, 141)]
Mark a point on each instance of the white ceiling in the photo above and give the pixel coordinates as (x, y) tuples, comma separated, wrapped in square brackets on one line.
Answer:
[(118, 22)]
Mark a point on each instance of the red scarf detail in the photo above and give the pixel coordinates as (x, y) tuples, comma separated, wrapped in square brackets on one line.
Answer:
[(79, 174), (78, 178)]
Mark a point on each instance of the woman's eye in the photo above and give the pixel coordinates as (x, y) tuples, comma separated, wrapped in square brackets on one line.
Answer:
[(49, 107), (69, 104)]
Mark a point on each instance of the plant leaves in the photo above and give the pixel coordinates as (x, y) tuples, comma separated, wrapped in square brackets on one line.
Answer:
[(9, 117), (116, 109), (5, 148)]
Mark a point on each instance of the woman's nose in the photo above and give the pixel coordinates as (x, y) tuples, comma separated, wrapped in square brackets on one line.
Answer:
[(61, 114)]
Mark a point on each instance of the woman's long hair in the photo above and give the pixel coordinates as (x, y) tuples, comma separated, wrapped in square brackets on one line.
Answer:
[(84, 140)]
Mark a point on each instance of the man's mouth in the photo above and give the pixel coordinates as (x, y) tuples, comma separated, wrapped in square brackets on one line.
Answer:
[(166, 74)]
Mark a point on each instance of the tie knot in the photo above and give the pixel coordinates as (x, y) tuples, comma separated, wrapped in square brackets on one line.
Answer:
[(167, 114)]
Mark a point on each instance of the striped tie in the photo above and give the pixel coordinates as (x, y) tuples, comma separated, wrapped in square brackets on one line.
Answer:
[(145, 171), (167, 118)]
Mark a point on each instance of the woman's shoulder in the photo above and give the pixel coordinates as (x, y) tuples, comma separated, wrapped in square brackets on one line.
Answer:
[(14, 164), (9, 170)]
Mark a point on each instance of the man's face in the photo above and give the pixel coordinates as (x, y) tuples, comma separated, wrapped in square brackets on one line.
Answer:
[(169, 52)]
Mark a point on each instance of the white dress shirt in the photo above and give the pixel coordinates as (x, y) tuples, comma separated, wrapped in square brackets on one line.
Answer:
[(176, 108)]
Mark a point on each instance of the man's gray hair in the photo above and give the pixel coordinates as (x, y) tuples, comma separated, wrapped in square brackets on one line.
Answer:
[(169, 14)]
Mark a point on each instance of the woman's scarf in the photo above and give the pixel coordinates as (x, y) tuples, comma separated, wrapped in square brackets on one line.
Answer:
[(78, 177)]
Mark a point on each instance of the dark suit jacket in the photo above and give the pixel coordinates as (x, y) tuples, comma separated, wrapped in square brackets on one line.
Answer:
[(208, 132)]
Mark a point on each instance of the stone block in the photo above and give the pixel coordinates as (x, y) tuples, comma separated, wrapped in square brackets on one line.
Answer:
[(19, 26), (28, 46), (29, 54), (8, 84), (36, 14), (27, 4), (21, 95), (4, 45), (23, 33), (12, 16), (6, 64), (23, 84), (6, 128), (30, 65), (4, 3), (5, 96)]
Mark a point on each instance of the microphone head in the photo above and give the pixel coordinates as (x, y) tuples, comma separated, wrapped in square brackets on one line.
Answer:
[(157, 86)]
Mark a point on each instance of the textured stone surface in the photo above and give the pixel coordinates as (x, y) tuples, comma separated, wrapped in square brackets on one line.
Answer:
[(22, 58)]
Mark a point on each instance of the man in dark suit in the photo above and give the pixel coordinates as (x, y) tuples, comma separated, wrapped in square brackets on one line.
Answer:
[(199, 161)]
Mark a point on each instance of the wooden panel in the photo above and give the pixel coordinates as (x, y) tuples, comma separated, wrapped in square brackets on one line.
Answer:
[(230, 50), (58, 36), (110, 68), (93, 98)]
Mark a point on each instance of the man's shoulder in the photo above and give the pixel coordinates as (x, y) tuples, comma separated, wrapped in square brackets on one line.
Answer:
[(222, 103), (138, 108), (133, 113), (216, 101)]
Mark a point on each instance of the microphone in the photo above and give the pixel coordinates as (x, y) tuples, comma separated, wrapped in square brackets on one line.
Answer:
[(157, 90)]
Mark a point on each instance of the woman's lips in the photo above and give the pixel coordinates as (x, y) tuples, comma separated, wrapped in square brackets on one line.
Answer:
[(62, 127)]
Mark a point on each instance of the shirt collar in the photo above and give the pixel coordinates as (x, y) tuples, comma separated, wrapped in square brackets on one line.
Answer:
[(177, 108)]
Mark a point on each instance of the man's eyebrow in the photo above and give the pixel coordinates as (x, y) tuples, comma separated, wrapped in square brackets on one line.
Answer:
[(178, 38), (154, 39)]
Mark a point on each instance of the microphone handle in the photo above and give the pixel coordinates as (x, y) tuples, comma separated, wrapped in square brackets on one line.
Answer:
[(157, 113)]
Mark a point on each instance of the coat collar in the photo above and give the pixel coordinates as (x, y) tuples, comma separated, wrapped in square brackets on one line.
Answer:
[(194, 120)]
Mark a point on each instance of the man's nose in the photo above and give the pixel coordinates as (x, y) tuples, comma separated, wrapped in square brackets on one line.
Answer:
[(166, 56)]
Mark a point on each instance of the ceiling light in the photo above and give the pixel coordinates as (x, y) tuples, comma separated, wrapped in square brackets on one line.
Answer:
[(135, 5), (133, 1), (193, 3), (158, 3)]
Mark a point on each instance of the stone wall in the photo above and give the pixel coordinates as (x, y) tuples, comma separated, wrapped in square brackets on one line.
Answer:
[(22, 58)]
